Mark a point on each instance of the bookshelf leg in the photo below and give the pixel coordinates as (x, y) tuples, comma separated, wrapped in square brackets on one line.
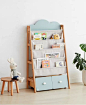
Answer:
[(34, 89)]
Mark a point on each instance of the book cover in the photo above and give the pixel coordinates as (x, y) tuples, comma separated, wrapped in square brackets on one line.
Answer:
[(43, 36), (37, 36), (52, 55), (45, 63), (38, 46), (39, 62), (59, 64)]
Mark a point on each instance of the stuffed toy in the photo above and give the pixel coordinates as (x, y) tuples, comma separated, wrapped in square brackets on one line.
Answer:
[(14, 73), (56, 36)]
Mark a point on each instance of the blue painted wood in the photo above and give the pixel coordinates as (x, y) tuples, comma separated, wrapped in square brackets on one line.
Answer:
[(60, 81), (45, 25), (43, 83)]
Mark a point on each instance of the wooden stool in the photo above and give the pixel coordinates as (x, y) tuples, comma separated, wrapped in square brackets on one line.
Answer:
[(10, 84)]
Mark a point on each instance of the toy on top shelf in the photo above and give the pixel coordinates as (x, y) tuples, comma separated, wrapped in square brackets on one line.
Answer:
[(51, 37), (43, 36), (55, 36), (14, 73)]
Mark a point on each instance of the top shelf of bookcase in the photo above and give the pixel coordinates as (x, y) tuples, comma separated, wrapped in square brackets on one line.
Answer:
[(45, 25)]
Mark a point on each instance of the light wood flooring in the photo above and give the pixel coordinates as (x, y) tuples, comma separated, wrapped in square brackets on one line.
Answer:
[(75, 95)]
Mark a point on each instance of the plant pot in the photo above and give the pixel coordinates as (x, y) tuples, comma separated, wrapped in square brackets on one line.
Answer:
[(84, 77)]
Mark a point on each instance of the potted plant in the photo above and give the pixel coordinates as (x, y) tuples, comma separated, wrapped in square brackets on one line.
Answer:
[(81, 62)]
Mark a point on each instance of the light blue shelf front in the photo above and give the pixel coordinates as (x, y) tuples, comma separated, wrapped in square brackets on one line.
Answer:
[(60, 81), (43, 83), (45, 25)]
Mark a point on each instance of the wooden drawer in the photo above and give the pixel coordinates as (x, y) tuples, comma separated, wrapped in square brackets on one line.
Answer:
[(59, 81), (43, 83)]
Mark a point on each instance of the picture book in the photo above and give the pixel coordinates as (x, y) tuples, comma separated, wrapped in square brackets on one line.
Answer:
[(39, 62), (43, 36), (59, 64), (45, 63), (52, 55), (37, 36), (38, 46)]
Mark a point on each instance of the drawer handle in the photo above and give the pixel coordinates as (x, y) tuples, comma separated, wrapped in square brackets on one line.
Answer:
[(59, 81), (44, 83)]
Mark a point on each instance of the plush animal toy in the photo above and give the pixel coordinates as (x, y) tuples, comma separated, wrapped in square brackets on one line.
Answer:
[(14, 73)]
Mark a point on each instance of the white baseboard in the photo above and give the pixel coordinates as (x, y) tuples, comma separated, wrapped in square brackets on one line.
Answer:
[(75, 80)]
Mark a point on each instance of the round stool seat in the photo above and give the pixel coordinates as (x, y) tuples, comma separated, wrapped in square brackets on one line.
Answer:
[(8, 79)]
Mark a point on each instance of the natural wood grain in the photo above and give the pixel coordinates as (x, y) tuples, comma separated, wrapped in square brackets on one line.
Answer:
[(2, 91), (28, 44), (7, 79), (11, 84), (8, 86), (32, 84), (32, 63), (62, 27), (30, 79), (17, 86)]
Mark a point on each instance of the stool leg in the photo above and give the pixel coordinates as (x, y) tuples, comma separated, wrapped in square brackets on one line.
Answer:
[(8, 86), (3, 87), (17, 86), (11, 83)]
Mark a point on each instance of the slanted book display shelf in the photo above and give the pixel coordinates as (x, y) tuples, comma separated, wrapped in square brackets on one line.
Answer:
[(55, 75)]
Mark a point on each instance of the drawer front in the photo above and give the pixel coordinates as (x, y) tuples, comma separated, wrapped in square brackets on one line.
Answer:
[(60, 81), (43, 83)]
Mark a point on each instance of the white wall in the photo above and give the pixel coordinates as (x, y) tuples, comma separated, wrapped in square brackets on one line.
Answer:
[(15, 15)]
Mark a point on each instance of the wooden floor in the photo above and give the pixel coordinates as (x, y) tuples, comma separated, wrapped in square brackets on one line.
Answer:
[(75, 95)]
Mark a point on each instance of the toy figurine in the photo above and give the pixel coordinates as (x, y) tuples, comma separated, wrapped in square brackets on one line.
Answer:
[(14, 73), (56, 36), (51, 37), (43, 36)]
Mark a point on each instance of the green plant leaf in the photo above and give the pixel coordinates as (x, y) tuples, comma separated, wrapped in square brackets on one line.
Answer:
[(81, 66), (75, 60), (83, 47), (77, 65)]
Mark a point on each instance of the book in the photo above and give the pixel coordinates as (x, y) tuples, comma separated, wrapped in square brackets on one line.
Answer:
[(52, 55), (39, 62), (59, 64), (38, 46), (45, 63), (56, 46), (37, 36), (43, 36)]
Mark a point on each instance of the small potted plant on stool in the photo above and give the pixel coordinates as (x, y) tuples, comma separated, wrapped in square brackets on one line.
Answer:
[(81, 62)]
